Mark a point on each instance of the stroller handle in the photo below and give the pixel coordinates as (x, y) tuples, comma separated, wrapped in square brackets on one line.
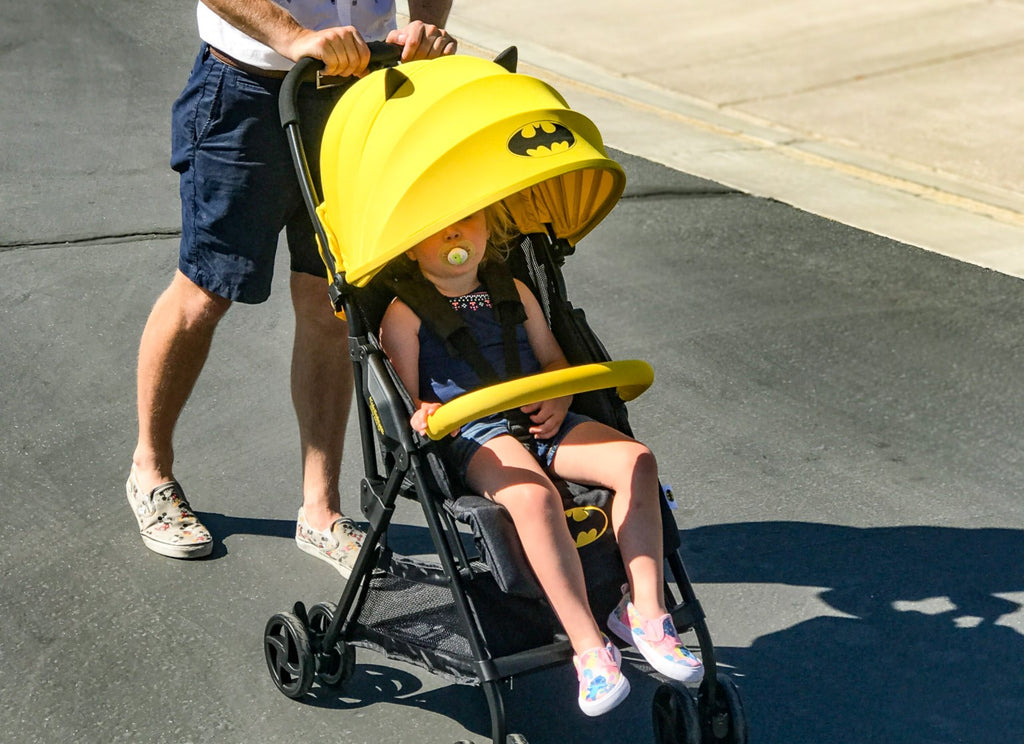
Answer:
[(306, 70), (382, 54), (631, 377)]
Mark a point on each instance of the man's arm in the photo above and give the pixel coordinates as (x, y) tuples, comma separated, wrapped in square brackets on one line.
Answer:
[(263, 20), (342, 49)]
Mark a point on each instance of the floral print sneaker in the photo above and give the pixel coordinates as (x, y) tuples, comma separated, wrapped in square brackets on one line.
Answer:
[(166, 522), (602, 685), (656, 640), (339, 546)]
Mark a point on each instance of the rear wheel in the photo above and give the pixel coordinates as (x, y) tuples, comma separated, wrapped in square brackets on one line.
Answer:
[(289, 654), (334, 666), (675, 716), (722, 719)]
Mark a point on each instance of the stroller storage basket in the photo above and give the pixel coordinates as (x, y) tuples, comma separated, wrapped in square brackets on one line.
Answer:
[(408, 613)]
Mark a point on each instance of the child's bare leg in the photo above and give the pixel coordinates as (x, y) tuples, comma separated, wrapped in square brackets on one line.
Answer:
[(504, 471), (595, 454), (592, 453)]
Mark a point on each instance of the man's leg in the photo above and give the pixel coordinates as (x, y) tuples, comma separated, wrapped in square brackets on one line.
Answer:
[(173, 349), (172, 352), (322, 394)]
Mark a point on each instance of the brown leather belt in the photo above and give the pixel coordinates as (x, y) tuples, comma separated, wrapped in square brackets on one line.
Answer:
[(322, 81), (245, 67)]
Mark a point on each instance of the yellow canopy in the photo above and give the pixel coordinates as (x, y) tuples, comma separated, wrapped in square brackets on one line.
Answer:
[(409, 151)]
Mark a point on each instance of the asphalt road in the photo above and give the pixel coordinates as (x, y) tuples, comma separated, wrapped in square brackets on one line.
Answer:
[(839, 415)]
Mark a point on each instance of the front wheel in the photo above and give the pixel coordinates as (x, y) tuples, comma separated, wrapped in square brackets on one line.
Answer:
[(289, 654), (722, 719)]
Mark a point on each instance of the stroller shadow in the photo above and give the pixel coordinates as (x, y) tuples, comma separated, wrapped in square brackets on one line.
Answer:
[(534, 710), (910, 634), (372, 684)]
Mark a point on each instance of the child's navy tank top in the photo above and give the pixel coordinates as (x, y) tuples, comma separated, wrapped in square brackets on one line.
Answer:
[(442, 376)]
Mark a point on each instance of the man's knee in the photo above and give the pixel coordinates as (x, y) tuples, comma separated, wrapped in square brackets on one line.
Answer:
[(313, 308), (196, 306)]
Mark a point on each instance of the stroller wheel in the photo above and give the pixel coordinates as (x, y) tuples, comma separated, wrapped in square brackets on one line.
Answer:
[(320, 616), (722, 719), (289, 655), (675, 716), (334, 666)]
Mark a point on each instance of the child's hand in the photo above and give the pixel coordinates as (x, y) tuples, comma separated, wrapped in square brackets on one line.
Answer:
[(419, 418), (547, 416)]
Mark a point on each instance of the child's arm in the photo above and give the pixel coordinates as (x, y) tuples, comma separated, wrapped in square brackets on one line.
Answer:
[(399, 336), (547, 415)]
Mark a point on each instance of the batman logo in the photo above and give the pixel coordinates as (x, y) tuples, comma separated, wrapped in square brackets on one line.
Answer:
[(540, 139), (586, 524)]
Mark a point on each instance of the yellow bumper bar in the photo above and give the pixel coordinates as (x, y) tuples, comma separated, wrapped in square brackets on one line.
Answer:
[(631, 377)]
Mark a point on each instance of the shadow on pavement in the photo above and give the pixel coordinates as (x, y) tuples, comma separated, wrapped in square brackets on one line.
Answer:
[(223, 525), (924, 645)]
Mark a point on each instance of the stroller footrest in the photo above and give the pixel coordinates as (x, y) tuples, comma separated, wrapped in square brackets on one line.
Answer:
[(525, 661), (496, 538)]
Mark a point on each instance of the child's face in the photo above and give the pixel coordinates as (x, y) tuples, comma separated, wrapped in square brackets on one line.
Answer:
[(456, 250)]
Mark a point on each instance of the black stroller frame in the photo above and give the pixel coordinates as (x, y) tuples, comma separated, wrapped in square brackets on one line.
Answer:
[(438, 616)]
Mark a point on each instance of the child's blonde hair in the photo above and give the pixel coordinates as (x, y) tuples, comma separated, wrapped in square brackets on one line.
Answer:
[(502, 229)]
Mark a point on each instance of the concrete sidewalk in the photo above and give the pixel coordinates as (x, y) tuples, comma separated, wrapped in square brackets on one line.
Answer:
[(903, 119)]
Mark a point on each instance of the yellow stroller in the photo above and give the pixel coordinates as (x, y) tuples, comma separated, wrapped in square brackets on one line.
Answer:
[(407, 151)]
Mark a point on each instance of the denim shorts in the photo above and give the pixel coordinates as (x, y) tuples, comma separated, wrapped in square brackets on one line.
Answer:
[(460, 449), (237, 181)]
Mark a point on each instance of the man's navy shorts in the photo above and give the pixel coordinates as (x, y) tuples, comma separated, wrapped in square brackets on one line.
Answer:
[(238, 183)]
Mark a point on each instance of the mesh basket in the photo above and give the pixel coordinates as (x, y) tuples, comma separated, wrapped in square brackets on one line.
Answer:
[(409, 614)]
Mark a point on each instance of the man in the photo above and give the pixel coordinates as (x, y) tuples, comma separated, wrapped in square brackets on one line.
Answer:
[(238, 191)]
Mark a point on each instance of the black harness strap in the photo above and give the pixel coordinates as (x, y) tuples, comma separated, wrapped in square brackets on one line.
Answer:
[(508, 306), (437, 313)]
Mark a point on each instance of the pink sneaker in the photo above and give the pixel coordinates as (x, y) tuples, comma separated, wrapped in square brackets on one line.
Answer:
[(657, 641), (602, 685)]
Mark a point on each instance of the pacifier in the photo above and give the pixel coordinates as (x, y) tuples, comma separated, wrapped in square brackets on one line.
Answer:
[(457, 256)]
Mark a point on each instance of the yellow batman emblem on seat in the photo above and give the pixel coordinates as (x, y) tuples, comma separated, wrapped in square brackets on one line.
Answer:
[(541, 139), (586, 524)]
